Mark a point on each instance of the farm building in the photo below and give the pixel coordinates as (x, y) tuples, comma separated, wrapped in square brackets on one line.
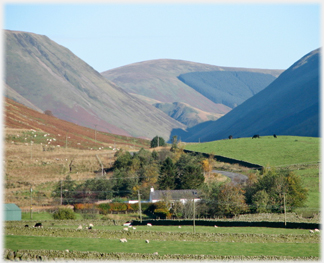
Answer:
[(174, 195), (12, 212)]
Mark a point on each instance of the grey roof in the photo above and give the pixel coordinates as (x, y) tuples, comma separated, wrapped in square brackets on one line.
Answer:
[(11, 207), (174, 194)]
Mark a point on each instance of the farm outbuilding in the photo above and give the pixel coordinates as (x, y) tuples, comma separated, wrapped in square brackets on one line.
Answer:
[(12, 212)]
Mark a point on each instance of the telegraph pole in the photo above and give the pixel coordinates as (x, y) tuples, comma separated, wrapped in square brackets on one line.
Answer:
[(31, 201), (285, 207), (95, 132), (194, 215), (139, 205), (61, 194)]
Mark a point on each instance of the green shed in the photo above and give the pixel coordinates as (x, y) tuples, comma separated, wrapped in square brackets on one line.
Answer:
[(12, 212)]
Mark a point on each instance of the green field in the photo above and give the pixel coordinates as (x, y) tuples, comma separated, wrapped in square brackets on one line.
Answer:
[(266, 151), (166, 240), (164, 247)]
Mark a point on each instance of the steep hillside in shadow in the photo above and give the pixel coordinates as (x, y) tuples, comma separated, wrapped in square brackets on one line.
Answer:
[(288, 106)]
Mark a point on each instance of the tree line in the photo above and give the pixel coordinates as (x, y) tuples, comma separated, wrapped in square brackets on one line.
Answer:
[(269, 190)]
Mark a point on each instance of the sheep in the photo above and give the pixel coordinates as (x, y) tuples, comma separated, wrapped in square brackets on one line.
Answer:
[(311, 231), (90, 225), (155, 253), (149, 224), (123, 240), (134, 228), (179, 226), (66, 250), (147, 241), (215, 226), (126, 228), (316, 230), (79, 227)]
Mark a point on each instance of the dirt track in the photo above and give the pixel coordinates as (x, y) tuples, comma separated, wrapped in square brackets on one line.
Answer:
[(235, 177)]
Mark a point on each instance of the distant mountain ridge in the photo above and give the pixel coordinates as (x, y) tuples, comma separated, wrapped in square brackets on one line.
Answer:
[(288, 106), (212, 89), (165, 80), (42, 73)]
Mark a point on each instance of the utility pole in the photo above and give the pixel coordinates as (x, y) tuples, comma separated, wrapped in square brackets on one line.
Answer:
[(65, 141), (139, 205), (31, 201), (194, 215), (61, 194), (31, 150), (95, 132), (285, 207)]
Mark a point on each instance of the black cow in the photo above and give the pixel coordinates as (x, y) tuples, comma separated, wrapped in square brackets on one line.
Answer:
[(275, 136), (255, 136), (26, 225), (38, 225), (230, 137)]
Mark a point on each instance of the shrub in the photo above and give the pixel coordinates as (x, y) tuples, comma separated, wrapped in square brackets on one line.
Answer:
[(64, 213)]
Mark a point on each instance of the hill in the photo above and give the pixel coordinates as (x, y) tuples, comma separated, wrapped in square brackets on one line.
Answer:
[(186, 114), (288, 106), (170, 80), (41, 73), (266, 151), (22, 121)]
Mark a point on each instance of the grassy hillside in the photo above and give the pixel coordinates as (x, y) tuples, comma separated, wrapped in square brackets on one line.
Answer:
[(51, 77), (300, 154), (40, 150), (266, 151)]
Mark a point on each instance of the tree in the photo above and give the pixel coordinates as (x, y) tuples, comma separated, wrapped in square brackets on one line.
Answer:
[(65, 189), (157, 141), (260, 201), (49, 113), (167, 177), (174, 143), (231, 200), (277, 183), (189, 172)]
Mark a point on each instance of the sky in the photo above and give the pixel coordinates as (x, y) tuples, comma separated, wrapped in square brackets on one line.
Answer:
[(108, 35)]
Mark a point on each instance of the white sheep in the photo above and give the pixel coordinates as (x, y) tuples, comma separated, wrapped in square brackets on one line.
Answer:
[(311, 231), (66, 250), (147, 241), (123, 240), (149, 224), (134, 228), (215, 226), (155, 253), (90, 225), (79, 227), (126, 228), (179, 226), (316, 230)]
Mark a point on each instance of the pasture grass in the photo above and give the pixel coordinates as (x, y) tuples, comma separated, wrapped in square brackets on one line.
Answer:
[(266, 151), (200, 229), (163, 247)]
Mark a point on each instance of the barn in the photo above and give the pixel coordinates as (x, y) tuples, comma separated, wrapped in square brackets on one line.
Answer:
[(12, 212)]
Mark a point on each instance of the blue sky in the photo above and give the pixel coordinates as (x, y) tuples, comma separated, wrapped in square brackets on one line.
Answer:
[(109, 35)]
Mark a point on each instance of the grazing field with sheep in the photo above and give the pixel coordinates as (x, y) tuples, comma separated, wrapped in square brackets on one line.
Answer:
[(160, 242)]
